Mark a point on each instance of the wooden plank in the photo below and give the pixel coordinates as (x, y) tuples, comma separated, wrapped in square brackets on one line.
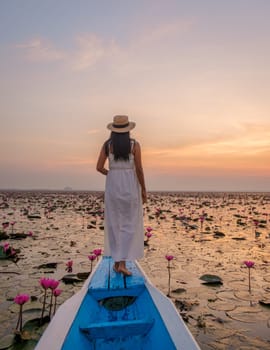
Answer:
[(116, 280), (136, 279), (100, 280), (117, 329), (107, 283), (106, 278)]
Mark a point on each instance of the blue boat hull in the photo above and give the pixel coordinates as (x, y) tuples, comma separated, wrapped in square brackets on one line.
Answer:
[(117, 313)]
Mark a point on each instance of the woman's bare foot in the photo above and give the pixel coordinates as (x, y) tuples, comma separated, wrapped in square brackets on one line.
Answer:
[(116, 267), (124, 271), (122, 268)]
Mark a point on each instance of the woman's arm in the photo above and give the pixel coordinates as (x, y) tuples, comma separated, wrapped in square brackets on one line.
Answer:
[(101, 161), (139, 170)]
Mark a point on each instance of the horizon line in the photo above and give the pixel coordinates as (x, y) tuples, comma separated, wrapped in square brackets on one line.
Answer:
[(149, 191)]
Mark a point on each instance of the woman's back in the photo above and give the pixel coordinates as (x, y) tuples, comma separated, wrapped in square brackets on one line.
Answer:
[(120, 163)]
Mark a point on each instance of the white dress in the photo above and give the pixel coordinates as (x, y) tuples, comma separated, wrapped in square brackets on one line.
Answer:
[(124, 231)]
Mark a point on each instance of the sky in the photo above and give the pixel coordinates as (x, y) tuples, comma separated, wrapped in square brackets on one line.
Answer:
[(194, 76)]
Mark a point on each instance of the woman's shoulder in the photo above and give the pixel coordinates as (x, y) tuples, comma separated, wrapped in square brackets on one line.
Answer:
[(135, 146), (107, 141), (134, 142), (106, 146)]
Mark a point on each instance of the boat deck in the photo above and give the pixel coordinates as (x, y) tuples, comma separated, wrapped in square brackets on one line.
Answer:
[(117, 313), (112, 312), (108, 283)]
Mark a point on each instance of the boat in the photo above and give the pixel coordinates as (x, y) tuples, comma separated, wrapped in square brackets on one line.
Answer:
[(114, 312)]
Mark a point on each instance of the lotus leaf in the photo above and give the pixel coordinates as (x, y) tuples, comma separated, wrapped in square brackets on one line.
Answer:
[(211, 279)]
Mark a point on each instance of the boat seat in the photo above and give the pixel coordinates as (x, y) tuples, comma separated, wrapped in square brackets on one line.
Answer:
[(117, 329), (107, 283)]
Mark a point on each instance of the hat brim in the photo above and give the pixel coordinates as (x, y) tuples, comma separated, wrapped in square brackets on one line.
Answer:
[(131, 125)]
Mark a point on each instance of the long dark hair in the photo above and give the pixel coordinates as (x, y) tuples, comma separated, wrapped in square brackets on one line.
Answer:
[(120, 145)]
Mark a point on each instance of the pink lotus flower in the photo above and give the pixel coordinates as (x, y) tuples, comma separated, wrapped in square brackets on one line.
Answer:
[(30, 234), (202, 218), (48, 283), (57, 292), (21, 299), (8, 250), (6, 247), (169, 257), (249, 263), (148, 235), (97, 252), (53, 284), (69, 265), (149, 229), (12, 225), (256, 222), (92, 257), (5, 225), (13, 252), (45, 282)]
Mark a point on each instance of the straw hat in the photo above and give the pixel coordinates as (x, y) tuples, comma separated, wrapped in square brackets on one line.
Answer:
[(121, 124)]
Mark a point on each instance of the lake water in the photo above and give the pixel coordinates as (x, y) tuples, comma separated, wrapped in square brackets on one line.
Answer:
[(207, 233)]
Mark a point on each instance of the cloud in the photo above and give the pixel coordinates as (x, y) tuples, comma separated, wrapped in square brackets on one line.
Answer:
[(247, 147), (41, 50), (89, 49), (164, 31), (93, 131), (244, 137), (142, 52)]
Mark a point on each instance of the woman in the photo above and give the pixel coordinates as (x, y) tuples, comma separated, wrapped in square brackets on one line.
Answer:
[(124, 194)]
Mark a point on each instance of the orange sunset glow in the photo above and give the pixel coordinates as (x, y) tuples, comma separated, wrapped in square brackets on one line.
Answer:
[(194, 77)]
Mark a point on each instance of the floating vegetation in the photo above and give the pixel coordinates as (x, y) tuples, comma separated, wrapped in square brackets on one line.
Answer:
[(265, 302), (205, 232), (211, 279)]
